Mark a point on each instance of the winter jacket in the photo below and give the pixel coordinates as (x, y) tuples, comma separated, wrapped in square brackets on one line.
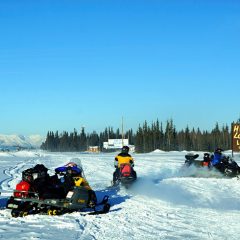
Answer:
[(75, 178), (216, 158), (123, 158), (81, 182)]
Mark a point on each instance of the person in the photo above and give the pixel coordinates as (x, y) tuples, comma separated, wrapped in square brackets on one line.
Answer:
[(73, 175), (218, 159), (206, 160), (35, 182), (49, 187), (123, 158), (40, 179)]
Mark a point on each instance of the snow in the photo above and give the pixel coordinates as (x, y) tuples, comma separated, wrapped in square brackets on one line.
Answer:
[(164, 203), (158, 151)]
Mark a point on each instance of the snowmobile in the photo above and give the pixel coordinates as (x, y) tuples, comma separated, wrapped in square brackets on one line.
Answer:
[(125, 175), (70, 196), (191, 160), (227, 167)]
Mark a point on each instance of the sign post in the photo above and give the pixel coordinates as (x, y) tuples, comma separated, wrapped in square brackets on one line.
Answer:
[(235, 137)]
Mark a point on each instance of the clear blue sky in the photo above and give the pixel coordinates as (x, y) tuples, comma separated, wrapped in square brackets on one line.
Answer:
[(67, 64)]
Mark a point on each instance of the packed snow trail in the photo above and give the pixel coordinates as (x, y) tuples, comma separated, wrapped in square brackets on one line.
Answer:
[(162, 204)]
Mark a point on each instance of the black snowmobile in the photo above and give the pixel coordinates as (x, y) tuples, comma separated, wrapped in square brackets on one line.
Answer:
[(30, 197), (125, 175), (227, 167), (191, 160)]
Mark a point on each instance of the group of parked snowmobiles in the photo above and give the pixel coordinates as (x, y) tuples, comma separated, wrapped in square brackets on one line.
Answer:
[(67, 190), (214, 162), (64, 192)]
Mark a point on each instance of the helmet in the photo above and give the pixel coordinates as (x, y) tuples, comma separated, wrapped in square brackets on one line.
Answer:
[(74, 171), (218, 150), (40, 168), (71, 164), (125, 149), (27, 175), (206, 157)]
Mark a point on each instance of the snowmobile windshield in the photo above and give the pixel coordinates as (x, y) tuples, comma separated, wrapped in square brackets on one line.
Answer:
[(77, 162)]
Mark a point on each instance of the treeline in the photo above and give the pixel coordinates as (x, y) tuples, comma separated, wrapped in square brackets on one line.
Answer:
[(74, 141), (154, 136), (147, 138)]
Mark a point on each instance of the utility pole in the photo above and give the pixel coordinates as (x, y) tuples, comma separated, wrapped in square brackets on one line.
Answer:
[(122, 133)]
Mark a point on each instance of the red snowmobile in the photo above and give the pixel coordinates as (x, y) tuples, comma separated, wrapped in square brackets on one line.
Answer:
[(124, 175)]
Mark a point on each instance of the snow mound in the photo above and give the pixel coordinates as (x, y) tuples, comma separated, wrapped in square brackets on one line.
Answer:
[(158, 151)]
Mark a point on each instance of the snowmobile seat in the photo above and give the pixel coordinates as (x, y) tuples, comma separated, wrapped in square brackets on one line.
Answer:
[(191, 156)]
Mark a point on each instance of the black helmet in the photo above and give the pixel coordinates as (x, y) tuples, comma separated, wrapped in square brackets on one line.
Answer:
[(206, 157), (218, 150), (27, 175), (40, 168), (125, 149)]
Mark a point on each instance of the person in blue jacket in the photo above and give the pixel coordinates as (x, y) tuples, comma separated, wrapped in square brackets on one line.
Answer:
[(217, 159), (217, 156)]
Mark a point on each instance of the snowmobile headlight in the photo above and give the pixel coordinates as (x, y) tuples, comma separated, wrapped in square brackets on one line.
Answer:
[(70, 194), (35, 176), (11, 205)]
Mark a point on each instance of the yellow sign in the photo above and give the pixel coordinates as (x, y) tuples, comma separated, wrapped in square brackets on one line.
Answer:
[(236, 137)]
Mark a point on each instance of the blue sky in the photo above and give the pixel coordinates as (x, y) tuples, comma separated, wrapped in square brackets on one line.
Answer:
[(67, 64)]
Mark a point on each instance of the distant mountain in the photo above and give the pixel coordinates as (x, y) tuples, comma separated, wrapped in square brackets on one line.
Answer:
[(8, 141)]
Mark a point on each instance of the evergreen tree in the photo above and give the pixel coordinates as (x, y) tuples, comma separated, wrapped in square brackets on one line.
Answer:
[(139, 140), (146, 139), (83, 141)]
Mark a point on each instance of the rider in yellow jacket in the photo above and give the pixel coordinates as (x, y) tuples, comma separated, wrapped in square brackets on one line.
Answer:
[(122, 158)]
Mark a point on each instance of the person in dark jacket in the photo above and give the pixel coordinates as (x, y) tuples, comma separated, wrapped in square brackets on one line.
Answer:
[(206, 160)]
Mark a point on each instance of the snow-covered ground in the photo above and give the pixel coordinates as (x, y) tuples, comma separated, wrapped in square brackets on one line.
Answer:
[(162, 204)]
